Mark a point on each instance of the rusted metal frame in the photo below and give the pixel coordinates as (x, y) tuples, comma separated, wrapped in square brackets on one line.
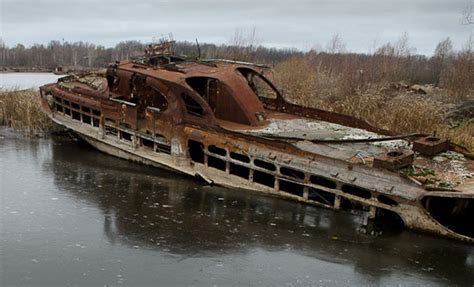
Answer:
[(80, 110), (293, 152), (138, 134), (344, 167), (304, 182), (369, 202), (373, 201)]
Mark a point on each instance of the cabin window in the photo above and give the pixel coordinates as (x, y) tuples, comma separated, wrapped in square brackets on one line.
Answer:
[(112, 81), (264, 164), (86, 110), (147, 143), (258, 84), (207, 88), (387, 200), (357, 191), (163, 148), (76, 115), (111, 131), (192, 106), (96, 113), (322, 181), (59, 108), (239, 157), (95, 122), (75, 106), (321, 196), (292, 173), (264, 178), (126, 136), (196, 151), (240, 171), (291, 187), (215, 162), (86, 119), (217, 150)]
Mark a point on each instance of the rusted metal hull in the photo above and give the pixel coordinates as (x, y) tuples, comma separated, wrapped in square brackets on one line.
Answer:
[(411, 211), (209, 120)]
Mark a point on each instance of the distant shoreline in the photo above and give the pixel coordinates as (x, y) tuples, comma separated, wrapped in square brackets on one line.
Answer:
[(56, 71), (4, 70)]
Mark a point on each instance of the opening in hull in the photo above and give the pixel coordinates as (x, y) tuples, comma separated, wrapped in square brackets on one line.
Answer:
[(454, 213)]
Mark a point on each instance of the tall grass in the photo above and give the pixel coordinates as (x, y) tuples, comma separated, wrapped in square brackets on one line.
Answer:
[(21, 110), (382, 104)]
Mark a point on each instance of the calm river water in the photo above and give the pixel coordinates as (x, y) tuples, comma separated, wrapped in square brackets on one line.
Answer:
[(72, 216)]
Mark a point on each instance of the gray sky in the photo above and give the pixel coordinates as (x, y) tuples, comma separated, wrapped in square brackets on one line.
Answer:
[(302, 24)]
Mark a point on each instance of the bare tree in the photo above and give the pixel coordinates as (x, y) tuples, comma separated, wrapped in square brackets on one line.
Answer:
[(467, 15), (335, 45)]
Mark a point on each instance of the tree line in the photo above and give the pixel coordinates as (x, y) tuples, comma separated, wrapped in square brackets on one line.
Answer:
[(390, 62)]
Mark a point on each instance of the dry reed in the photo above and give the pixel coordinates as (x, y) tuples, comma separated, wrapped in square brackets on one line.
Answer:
[(20, 109)]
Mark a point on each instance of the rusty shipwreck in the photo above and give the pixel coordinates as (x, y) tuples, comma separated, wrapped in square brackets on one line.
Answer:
[(225, 122)]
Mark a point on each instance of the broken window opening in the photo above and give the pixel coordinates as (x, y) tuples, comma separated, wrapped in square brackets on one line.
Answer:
[(357, 191), (111, 131), (147, 143), (66, 102), (76, 116), (192, 107), (258, 84), (75, 106), (207, 88), (217, 150), (291, 172), (456, 214), (321, 196), (239, 170), (67, 111), (322, 181), (96, 113), (239, 157), (291, 187), (125, 136), (95, 122), (264, 178), (86, 119), (112, 81), (162, 148), (196, 151), (86, 110), (348, 204), (264, 164), (215, 162), (58, 107), (387, 200)]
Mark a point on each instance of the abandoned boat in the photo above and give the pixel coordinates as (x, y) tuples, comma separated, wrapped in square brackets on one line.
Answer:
[(225, 122)]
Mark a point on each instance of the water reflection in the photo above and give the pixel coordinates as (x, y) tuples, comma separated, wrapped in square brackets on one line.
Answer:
[(151, 209)]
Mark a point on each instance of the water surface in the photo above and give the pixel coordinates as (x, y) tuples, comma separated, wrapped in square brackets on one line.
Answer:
[(72, 216), (26, 80)]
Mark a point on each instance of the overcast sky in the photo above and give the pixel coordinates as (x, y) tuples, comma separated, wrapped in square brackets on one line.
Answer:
[(303, 24)]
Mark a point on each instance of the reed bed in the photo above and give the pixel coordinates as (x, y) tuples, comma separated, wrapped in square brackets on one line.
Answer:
[(20, 109)]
